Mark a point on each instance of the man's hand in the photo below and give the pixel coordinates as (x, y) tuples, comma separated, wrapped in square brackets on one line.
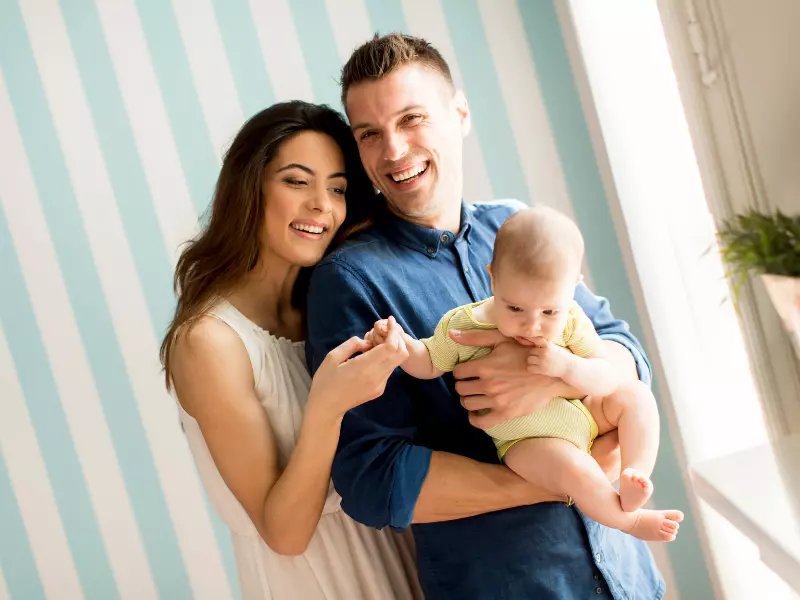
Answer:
[(500, 382)]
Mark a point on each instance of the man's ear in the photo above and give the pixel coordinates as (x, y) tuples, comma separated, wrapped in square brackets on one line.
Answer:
[(462, 108)]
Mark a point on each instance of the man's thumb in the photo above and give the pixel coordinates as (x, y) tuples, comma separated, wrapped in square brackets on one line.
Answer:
[(477, 337)]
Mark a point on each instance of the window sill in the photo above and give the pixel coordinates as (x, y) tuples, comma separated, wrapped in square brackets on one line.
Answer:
[(758, 491)]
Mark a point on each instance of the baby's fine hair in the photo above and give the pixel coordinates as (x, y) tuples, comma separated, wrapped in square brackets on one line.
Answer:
[(539, 242)]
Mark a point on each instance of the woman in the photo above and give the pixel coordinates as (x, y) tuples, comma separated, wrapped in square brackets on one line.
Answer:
[(262, 433)]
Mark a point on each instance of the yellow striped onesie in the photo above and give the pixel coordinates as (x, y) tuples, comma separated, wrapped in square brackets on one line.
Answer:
[(560, 418)]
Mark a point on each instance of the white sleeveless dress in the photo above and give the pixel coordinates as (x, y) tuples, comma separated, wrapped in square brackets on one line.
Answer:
[(344, 560)]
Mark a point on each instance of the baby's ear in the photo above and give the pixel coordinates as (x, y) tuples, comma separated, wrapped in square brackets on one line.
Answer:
[(580, 279)]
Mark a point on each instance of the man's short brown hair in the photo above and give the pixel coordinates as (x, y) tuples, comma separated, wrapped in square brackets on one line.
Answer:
[(384, 54)]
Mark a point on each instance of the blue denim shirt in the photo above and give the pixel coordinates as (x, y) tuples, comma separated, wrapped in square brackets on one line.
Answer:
[(544, 551)]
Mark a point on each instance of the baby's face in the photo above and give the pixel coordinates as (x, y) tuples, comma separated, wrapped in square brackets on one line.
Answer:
[(527, 308)]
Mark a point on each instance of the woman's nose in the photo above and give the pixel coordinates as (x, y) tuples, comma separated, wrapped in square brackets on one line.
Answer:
[(319, 200)]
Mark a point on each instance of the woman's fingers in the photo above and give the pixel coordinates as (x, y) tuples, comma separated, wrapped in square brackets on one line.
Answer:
[(347, 349)]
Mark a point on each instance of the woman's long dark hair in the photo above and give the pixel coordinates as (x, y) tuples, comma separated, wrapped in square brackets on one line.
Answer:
[(228, 246)]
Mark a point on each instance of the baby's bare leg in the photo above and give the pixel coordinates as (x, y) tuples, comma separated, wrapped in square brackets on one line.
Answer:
[(559, 467), (632, 410)]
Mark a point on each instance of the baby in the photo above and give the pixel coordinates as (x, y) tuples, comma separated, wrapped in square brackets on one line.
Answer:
[(534, 271)]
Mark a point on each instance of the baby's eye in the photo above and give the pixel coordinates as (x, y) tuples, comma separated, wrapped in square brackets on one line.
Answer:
[(514, 309), (550, 312)]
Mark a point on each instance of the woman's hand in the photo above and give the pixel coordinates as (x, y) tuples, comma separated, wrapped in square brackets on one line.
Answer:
[(343, 382)]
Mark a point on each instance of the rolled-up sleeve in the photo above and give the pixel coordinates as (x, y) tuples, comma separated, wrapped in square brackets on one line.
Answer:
[(615, 330), (378, 470)]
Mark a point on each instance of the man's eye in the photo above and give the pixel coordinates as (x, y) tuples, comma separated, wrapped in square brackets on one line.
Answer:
[(366, 135), (411, 119)]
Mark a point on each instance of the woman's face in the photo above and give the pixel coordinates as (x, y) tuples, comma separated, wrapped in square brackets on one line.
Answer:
[(303, 190)]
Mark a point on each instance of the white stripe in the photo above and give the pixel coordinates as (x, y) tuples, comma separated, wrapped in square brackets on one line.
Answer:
[(151, 128), (281, 49), (4, 593), (28, 475), (350, 24), (210, 70), (519, 86), (426, 19), (68, 361), (129, 314)]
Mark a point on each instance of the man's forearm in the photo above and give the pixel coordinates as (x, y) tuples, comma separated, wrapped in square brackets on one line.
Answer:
[(457, 487)]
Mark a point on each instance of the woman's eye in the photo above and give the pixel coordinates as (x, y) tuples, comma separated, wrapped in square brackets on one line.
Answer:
[(293, 181), (338, 191)]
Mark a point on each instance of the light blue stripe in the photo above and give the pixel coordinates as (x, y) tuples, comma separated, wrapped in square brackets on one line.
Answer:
[(195, 148), (321, 56), (131, 190), (482, 87), (575, 150), (50, 426), (92, 316), (246, 61), (125, 169), (16, 558), (386, 16), (591, 209)]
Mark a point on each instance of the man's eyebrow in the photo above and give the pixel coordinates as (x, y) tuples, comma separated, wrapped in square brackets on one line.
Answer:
[(402, 110)]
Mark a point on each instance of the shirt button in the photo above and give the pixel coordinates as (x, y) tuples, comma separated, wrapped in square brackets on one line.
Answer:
[(598, 557), (466, 269), (598, 590), (597, 576), (431, 249), (445, 238)]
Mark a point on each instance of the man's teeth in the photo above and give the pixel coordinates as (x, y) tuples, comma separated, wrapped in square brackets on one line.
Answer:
[(409, 173), (308, 228)]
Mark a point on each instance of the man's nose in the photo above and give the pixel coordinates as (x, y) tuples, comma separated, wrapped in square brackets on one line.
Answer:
[(395, 146)]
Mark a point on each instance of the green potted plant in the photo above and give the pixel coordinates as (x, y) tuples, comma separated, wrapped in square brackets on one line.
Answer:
[(767, 245)]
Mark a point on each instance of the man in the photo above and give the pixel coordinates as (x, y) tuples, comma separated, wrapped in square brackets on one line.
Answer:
[(415, 456)]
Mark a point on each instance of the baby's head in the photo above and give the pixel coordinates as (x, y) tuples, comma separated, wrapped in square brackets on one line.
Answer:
[(534, 271)]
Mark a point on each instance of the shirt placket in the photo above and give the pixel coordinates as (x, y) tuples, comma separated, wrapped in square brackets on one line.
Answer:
[(468, 269)]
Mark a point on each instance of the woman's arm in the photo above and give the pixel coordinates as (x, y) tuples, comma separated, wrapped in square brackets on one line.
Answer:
[(213, 379)]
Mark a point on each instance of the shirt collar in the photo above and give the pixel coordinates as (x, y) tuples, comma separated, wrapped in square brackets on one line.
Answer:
[(423, 239)]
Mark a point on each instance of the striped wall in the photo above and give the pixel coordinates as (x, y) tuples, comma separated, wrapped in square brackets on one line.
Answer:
[(114, 115)]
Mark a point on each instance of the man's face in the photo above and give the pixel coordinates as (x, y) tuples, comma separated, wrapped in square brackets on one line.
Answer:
[(410, 127)]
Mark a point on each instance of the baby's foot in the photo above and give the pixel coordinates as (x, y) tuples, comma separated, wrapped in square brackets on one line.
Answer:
[(656, 525), (635, 490)]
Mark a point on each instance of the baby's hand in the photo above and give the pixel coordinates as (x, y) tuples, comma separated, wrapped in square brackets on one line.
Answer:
[(379, 332), (546, 358)]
